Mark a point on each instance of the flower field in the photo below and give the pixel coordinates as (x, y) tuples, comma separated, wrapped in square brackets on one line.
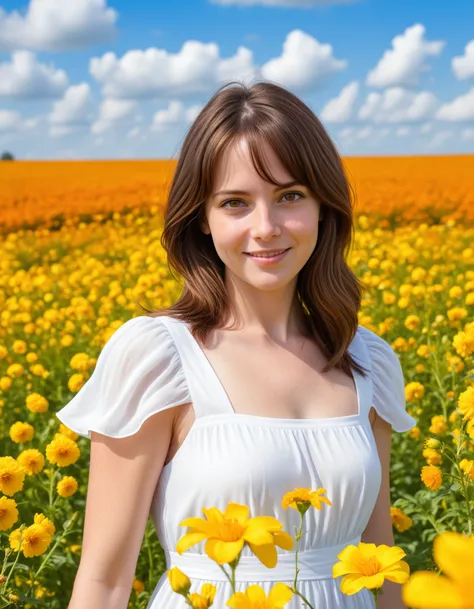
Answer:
[(81, 246)]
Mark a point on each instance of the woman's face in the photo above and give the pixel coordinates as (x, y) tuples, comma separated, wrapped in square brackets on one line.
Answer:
[(260, 219)]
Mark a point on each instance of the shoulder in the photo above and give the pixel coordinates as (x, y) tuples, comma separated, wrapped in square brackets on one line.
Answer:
[(381, 352), (388, 382)]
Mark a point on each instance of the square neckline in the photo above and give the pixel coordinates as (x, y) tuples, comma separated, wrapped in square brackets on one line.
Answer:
[(339, 420)]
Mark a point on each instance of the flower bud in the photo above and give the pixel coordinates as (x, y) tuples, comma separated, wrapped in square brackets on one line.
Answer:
[(179, 581)]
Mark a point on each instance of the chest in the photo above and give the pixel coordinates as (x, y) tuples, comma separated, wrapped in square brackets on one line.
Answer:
[(273, 381)]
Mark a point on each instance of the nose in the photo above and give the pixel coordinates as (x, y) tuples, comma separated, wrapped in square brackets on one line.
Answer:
[(265, 222)]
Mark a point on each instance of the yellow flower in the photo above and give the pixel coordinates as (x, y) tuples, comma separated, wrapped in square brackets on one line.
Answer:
[(368, 566), (454, 554), (432, 477), (67, 486), (205, 598), (8, 513), (179, 581), (305, 497), (12, 476), (400, 520), (32, 461), (414, 391), (254, 597), (62, 451), (35, 402), (35, 540), (438, 424), (466, 403), (432, 443), (21, 432), (432, 457), (227, 532)]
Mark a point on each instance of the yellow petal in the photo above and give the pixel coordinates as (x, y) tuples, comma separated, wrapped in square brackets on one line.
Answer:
[(279, 595), (453, 554), (389, 555), (351, 584), (264, 522), (283, 540), (367, 549), (351, 556), (223, 552), (258, 536), (426, 590), (239, 512), (267, 554), (398, 574), (238, 601), (199, 524), (213, 515), (256, 594), (188, 540)]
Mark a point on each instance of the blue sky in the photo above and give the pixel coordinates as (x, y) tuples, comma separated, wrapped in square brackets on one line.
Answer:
[(116, 79)]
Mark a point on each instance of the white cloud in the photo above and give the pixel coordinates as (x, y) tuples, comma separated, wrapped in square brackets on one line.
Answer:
[(74, 107), (25, 78), (467, 134), (340, 108), (54, 25), (463, 66), (196, 68), (283, 3), (426, 128), (304, 62), (363, 133), (460, 109), (405, 62), (174, 114), (112, 112), (402, 131), (10, 120), (397, 105), (440, 138)]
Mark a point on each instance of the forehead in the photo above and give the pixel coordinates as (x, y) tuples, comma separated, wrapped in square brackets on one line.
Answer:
[(235, 167)]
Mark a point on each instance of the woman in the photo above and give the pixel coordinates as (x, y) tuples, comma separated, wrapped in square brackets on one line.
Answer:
[(256, 381)]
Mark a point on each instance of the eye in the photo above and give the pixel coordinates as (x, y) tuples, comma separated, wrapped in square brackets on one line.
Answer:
[(300, 194)]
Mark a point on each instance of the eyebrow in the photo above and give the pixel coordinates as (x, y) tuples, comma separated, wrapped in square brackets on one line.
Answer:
[(244, 192)]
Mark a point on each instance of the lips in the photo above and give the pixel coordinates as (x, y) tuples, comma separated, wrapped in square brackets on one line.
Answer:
[(267, 253)]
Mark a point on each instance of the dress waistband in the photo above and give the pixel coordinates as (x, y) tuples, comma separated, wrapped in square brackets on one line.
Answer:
[(313, 564)]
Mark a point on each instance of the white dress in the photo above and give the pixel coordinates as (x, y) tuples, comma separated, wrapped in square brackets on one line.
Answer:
[(151, 364)]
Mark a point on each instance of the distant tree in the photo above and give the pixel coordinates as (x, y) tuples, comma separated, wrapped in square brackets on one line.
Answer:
[(7, 156)]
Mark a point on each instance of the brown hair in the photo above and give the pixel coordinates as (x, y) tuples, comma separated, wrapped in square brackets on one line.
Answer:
[(327, 293)]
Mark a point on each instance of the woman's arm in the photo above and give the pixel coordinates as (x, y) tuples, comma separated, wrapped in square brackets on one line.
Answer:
[(379, 529), (122, 479)]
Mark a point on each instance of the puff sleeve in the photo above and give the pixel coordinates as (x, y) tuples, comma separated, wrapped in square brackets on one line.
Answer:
[(388, 382), (138, 373)]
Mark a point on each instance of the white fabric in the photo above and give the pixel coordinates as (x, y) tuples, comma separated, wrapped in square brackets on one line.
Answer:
[(151, 364)]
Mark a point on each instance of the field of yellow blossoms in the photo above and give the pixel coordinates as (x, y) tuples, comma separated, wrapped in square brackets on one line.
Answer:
[(81, 247)]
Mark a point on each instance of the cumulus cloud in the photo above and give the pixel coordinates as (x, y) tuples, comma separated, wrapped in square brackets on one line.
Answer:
[(26, 78), (460, 109), (463, 66), (282, 3), (74, 108), (11, 120), (304, 62), (112, 112), (340, 108), (175, 114), (51, 25), (404, 63), (369, 132), (198, 68), (398, 105)]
